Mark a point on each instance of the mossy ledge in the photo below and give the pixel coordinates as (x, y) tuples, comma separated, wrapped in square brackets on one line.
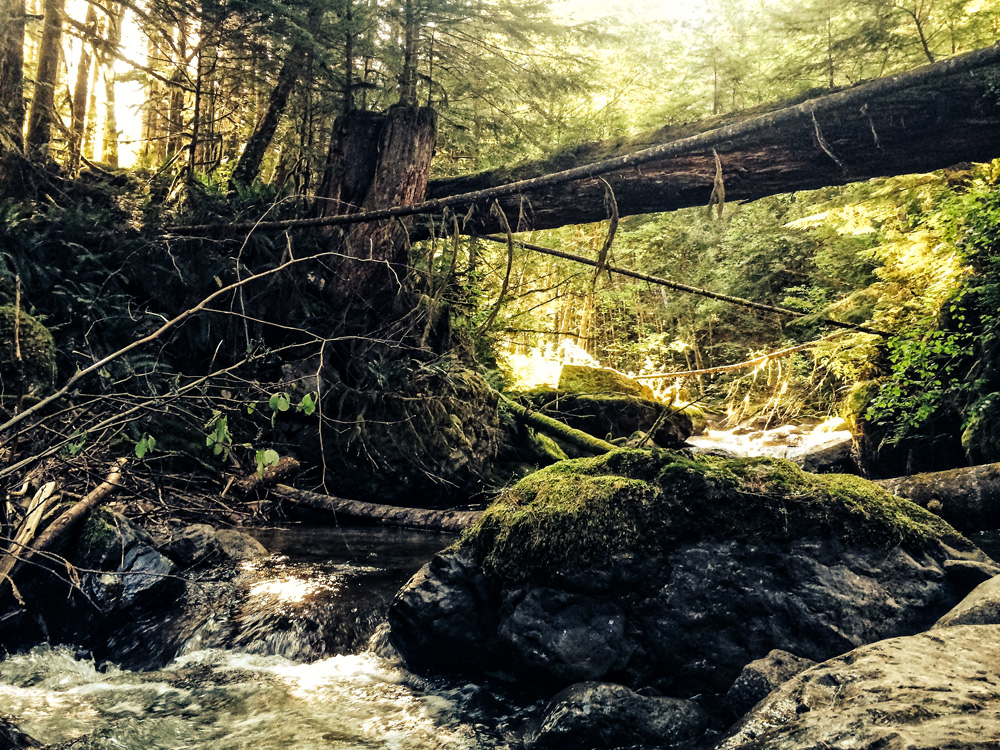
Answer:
[(577, 514)]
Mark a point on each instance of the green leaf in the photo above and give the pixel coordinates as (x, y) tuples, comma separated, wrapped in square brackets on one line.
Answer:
[(144, 446), (280, 402), (307, 405), (266, 457)]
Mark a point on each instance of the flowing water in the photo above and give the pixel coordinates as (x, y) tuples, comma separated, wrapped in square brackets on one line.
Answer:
[(295, 672)]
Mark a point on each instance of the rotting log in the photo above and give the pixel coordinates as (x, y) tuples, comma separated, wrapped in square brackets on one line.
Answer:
[(968, 498), (384, 515), (922, 120)]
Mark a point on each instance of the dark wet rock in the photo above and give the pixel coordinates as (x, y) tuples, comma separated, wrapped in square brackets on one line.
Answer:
[(12, 738), (567, 636), (662, 568), (981, 607), (200, 543), (930, 691), (193, 544), (129, 572), (452, 592), (606, 715), (760, 677), (968, 498)]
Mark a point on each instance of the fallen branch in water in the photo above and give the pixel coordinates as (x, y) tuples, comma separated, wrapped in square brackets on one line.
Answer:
[(384, 515)]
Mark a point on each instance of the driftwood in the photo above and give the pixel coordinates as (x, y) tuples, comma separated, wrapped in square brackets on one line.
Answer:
[(59, 528), (26, 530), (383, 515), (557, 429), (256, 482), (968, 498)]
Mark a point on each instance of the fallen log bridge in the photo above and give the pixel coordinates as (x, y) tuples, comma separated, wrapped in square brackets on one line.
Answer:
[(925, 119)]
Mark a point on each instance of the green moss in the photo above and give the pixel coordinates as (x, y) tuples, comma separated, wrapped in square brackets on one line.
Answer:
[(576, 514), (37, 348), (97, 540)]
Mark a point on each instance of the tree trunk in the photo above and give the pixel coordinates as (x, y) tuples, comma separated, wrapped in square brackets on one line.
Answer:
[(81, 92), (43, 113), (948, 115), (109, 144), (12, 174), (248, 167), (378, 253)]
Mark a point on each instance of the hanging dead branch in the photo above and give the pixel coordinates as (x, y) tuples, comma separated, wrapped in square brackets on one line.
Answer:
[(749, 304), (506, 278)]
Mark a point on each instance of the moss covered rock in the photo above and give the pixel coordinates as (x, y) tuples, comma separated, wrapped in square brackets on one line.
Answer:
[(601, 380), (660, 568), (37, 350)]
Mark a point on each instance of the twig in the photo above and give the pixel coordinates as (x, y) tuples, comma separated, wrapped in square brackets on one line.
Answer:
[(741, 365), (172, 323), (750, 304)]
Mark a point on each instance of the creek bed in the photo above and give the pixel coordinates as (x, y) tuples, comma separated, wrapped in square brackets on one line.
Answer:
[(255, 696)]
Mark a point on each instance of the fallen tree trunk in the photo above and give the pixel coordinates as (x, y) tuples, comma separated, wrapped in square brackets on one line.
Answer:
[(383, 515), (968, 498), (919, 121), (557, 429)]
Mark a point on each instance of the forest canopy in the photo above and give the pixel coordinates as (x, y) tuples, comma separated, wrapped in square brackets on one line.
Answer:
[(122, 124)]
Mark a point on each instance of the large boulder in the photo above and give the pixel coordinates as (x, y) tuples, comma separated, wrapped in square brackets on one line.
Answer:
[(601, 380), (659, 568), (939, 689)]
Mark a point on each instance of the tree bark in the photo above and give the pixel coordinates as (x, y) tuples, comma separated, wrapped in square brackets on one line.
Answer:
[(109, 147), (371, 276), (870, 131), (248, 167), (43, 113), (81, 91), (383, 515), (12, 176)]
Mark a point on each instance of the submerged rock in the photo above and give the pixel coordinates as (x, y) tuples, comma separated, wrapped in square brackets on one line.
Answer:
[(930, 691), (606, 715), (654, 567)]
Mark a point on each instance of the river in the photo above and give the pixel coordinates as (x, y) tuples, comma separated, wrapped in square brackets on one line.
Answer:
[(285, 688)]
